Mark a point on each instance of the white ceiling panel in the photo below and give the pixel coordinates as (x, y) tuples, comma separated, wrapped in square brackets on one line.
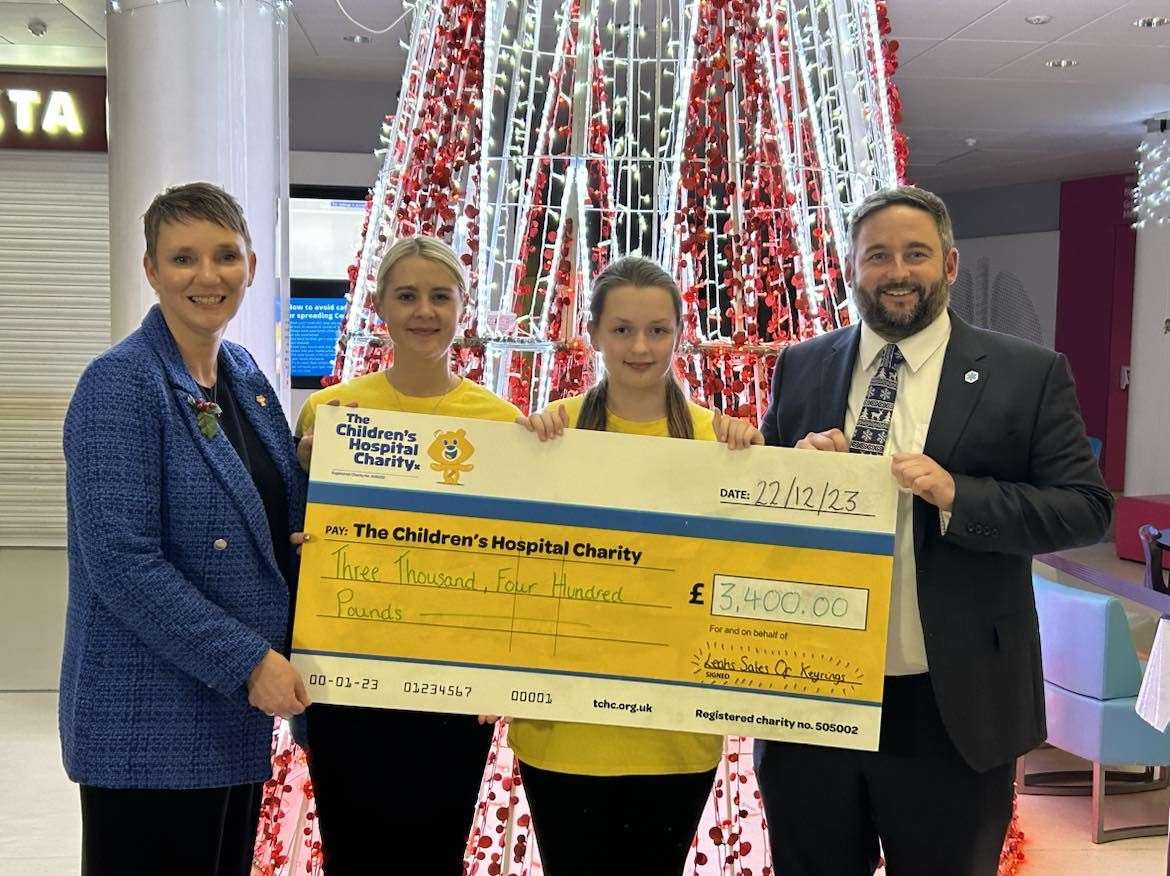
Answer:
[(374, 14), (919, 158), (1002, 104), (982, 159), (80, 58), (966, 58), (945, 179), (1007, 22), (300, 48), (64, 28), (1057, 140), (92, 12), (936, 19), (1117, 29), (1096, 64), (953, 140), (332, 69), (910, 48)]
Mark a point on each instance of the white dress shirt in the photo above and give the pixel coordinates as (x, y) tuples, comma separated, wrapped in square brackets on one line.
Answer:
[(917, 387)]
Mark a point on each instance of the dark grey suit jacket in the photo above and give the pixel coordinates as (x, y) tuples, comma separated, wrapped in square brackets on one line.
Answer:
[(1025, 483)]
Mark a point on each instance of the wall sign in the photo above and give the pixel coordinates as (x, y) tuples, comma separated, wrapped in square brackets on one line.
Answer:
[(52, 111)]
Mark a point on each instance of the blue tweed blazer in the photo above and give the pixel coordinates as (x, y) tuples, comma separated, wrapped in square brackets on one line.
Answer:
[(174, 591)]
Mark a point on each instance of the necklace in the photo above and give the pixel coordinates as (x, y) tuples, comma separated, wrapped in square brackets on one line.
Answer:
[(211, 393), (400, 399)]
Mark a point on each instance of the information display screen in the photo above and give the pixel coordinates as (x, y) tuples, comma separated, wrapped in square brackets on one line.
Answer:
[(325, 227)]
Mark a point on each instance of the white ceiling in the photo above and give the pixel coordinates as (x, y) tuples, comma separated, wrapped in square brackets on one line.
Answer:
[(974, 70), (970, 70)]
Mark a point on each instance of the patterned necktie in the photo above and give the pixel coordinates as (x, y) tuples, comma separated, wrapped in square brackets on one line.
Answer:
[(873, 424)]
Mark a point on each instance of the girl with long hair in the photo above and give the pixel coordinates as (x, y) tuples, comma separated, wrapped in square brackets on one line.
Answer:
[(609, 799)]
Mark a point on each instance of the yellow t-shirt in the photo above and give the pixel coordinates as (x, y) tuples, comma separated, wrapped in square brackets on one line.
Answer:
[(600, 750), (468, 399)]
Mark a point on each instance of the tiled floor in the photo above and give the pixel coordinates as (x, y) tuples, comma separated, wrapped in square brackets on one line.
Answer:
[(1057, 830), (40, 833), (40, 822)]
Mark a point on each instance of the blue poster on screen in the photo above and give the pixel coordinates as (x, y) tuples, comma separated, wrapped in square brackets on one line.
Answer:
[(314, 324)]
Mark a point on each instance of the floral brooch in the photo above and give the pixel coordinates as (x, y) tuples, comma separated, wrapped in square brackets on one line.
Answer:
[(207, 415)]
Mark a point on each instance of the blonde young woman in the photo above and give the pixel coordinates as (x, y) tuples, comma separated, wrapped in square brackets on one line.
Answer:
[(617, 799), (385, 779)]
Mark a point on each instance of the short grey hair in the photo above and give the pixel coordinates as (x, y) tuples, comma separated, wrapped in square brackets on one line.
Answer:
[(193, 202), (909, 196)]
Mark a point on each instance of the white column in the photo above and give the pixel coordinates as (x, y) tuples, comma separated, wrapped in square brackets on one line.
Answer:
[(198, 90), (1147, 459), (1147, 452)]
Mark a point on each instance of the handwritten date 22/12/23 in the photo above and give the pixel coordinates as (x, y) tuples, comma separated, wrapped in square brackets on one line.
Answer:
[(792, 495)]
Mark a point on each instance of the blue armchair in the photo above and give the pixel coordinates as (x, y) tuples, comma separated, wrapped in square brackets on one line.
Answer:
[(1091, 679)]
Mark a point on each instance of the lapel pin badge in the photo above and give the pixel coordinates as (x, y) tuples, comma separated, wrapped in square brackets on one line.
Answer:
[(971, 376), (263, 400)]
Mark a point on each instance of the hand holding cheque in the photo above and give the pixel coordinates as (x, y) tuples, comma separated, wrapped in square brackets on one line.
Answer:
[(915, 472), (457, 565)]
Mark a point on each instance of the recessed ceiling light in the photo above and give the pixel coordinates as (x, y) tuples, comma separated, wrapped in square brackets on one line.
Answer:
[(1061, 63), (358, 39), (1152, 21), (1038, 19)]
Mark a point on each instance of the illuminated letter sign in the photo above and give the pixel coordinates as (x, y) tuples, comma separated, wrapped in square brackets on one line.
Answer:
[(61, 114), (52, 111), (24, 102)]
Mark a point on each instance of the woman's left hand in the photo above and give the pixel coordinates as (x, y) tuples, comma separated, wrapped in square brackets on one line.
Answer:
[(299, 538), (491, 719), (735, 433), (305, 442)]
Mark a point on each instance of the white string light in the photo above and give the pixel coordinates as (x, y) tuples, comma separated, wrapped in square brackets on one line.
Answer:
[(408, 9), (1152, 193)]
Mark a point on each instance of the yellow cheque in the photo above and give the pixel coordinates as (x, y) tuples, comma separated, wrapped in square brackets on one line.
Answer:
[(463, 566)]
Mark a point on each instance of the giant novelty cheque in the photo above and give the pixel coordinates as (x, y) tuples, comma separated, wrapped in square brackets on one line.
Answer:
[(463, 566)]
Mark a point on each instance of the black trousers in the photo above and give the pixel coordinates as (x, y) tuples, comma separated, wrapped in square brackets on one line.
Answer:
[(586, 825), (934, 814), (198, 832), (386, 779)]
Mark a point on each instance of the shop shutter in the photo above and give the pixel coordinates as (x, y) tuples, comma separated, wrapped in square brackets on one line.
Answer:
[(54, 318)]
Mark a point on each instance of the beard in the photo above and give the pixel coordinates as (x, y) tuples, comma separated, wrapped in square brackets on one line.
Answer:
[(896, 325)]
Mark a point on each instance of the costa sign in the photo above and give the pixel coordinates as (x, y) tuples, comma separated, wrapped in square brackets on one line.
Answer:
[(52, 111)]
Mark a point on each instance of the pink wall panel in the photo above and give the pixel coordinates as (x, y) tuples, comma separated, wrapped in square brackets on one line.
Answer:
[(1095, 306)]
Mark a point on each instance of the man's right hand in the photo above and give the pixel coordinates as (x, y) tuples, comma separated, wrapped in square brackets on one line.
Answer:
[(276, 688), (833, 440)]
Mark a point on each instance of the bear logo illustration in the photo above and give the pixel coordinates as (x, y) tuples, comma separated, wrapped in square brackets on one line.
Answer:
[(450, 452)]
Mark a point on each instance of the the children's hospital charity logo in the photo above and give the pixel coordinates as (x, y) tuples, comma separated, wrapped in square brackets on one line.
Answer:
[(450, 452)]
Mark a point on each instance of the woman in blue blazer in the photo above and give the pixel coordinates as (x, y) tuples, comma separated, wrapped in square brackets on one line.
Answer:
[(183, 489)]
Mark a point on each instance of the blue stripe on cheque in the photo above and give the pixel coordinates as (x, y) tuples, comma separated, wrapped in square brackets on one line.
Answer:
[(619, 519)]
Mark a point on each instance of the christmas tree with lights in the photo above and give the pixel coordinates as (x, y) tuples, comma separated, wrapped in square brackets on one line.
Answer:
[(728, 139)]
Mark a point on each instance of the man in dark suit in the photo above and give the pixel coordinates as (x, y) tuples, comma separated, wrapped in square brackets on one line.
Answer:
[(989, 448)]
